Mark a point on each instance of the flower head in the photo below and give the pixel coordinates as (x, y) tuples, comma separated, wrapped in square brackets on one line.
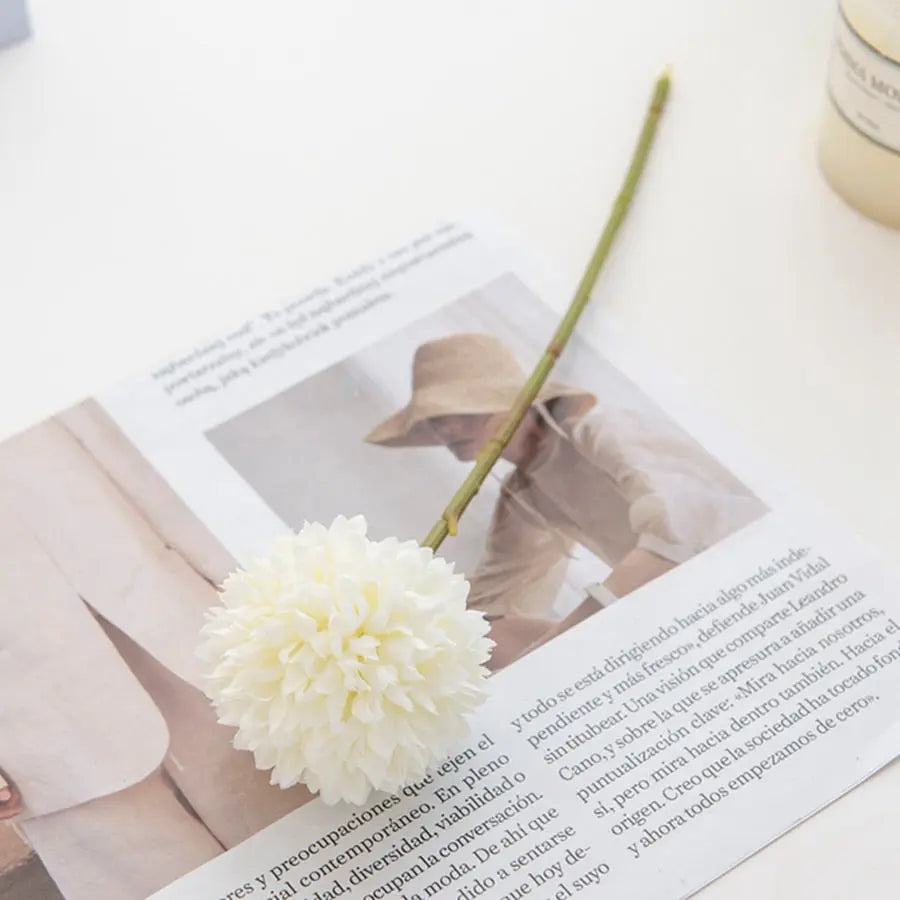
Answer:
[(346, 664)]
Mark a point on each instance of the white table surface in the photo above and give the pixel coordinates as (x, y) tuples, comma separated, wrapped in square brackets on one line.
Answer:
[(172, 165)]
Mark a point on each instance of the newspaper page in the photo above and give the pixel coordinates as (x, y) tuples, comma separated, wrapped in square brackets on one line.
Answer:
[(690, 658)]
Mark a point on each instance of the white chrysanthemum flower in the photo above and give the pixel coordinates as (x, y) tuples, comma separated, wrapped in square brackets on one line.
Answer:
[(346, 664)]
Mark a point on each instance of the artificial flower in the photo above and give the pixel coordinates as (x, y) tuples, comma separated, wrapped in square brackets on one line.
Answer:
[(346, 664)]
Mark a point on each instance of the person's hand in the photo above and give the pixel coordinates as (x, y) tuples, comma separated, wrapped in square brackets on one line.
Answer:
[(10, 798), (512, 635), (585, 609), (634, 570)]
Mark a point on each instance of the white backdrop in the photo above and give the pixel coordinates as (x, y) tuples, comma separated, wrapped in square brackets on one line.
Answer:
[(167, 163)]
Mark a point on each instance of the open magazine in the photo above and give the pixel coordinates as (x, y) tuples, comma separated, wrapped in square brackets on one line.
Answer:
[(690, 659)]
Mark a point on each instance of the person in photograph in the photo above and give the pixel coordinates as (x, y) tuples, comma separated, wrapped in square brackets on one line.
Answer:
[(113, 765), (619, 478)]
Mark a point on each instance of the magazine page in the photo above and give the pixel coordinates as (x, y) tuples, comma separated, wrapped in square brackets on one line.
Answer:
[(690, 659)]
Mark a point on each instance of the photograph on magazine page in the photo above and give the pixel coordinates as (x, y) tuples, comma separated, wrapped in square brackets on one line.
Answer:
[(598, 493), (116, 777)]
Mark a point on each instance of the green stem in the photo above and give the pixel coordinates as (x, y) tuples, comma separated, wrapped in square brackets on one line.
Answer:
[(493, 449)]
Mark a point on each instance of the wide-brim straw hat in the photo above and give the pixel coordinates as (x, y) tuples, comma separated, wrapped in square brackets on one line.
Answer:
[(467, 374)]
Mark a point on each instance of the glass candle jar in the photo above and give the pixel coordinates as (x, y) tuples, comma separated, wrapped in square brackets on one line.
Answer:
[(859, 149)]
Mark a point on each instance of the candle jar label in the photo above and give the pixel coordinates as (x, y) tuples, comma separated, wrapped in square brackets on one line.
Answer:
[(864, 85)]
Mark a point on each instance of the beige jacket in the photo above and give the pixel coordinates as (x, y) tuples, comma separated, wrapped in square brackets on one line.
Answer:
[(75, 723), (617, 479)]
